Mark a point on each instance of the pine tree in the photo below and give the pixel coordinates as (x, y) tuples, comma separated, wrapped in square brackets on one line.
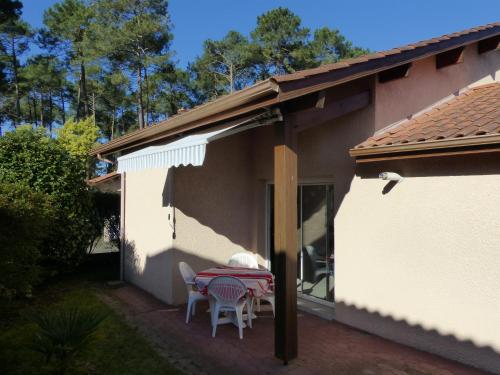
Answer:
[(134, 35)]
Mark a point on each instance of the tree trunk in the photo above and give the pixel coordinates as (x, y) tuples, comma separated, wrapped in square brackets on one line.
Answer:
[(113, 115), (84, 90), (30, 113), (79, 99), (16, 84), (34, 110), (147, 95), (93, 107), (231, 78), (63, 110), (49, 120), (42, 120), (140, 104)]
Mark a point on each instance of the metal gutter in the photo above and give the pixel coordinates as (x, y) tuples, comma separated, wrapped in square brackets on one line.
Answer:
[(479, 140)]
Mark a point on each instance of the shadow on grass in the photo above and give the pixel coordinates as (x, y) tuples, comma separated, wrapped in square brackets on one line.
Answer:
[(116, 349)]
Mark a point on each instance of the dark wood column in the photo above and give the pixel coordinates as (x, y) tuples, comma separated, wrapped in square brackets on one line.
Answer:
[(285, 241)]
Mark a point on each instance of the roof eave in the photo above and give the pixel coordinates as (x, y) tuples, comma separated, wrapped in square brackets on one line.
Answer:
[(469, 142), (225, 103)]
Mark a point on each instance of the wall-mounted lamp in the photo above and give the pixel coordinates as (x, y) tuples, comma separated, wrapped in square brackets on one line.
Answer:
[(390, 176)]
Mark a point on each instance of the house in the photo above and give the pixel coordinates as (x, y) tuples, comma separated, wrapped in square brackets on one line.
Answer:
[(296, 159)]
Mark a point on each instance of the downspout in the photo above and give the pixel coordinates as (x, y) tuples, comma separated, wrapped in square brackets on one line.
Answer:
[(122, 225)]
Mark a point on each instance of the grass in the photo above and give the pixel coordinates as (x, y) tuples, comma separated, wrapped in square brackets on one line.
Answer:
[(117, 348)]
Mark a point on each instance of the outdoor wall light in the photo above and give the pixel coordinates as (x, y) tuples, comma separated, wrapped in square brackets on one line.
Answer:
[(390, 176)]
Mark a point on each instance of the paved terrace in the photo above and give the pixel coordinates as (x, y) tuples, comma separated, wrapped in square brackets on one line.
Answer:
[(324, 347)]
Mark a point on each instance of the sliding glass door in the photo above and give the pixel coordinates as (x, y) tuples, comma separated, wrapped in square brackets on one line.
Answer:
[(315, 255)]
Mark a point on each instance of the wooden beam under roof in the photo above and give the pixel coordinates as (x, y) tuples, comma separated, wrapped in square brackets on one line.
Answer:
[(452, 57), (489, 44), (308, 118)]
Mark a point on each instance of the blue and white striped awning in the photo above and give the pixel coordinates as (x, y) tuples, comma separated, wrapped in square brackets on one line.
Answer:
[(189, 150)]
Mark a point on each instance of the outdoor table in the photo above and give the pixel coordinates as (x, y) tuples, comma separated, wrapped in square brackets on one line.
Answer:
[(257, 281)]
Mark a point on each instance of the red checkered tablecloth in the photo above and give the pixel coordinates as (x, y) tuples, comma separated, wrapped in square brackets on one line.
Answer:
[(258, 282)]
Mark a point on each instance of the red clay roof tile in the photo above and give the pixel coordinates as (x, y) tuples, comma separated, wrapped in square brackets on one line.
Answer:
[(473, 113)]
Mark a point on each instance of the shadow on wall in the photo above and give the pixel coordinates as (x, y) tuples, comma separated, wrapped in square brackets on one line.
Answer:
[(159, 274), (430, 340), (324, 149), (218, 195)]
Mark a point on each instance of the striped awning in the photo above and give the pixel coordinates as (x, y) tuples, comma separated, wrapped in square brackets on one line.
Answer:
[(189, 150)]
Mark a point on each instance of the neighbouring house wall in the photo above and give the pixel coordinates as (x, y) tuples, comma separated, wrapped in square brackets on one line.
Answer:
[(419, 263)]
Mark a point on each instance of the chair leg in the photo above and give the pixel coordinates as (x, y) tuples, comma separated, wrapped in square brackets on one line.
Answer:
[(249, 304), (271, 300), (193, 309), (188, 312), (215, 318), (239, 316), (258, 304)]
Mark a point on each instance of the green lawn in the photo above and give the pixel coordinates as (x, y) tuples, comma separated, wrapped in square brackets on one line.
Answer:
[(117, 348)]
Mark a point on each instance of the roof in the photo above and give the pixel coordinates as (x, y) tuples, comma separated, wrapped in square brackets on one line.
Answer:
[(281, 88), (435, 43), (104, 178), (471, 118)]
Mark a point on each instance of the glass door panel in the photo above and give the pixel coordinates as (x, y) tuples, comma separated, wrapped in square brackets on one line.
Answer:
[(315, 241), (315, 266)]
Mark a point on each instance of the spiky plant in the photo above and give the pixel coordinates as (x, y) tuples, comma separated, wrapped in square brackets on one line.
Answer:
[(64, 332)]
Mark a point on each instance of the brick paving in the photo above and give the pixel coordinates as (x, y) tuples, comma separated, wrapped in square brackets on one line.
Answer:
[(324, 347)]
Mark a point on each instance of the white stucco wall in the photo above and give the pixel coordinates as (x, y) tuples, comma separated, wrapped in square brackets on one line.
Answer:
[(148, 233), (426, 254)]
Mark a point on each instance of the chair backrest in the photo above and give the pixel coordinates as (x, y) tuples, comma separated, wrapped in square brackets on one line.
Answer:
[(227, 290), (243, 260), (187, 274)]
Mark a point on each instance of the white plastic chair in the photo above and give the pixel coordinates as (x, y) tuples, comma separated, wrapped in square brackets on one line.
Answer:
[(249, 261), (228, 294), (243, 260), (269, 297), (194, 294)]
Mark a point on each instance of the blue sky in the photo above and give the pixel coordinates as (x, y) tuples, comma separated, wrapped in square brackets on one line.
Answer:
[(378, 25)]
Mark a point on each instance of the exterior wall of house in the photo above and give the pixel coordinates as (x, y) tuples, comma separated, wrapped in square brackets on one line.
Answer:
[(419, 263), (213, 208), (415, 264), (148, 232)]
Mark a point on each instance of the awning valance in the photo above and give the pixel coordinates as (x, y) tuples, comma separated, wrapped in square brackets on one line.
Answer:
[(189, 150)]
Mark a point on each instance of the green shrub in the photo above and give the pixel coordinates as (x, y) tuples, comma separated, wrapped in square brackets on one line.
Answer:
[(25, 218), (64, 332), (32, 157)]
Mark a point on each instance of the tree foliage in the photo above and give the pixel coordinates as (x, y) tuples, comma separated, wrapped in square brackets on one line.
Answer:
[(32, 158), (78, 137), (283, 41), (279, 44), (112, 60), (25, 219), (226, 65)]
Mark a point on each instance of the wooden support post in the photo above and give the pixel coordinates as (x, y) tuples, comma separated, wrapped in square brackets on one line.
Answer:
[(285, 242)]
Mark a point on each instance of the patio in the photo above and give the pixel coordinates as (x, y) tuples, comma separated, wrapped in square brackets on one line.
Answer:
[(324, 347)]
